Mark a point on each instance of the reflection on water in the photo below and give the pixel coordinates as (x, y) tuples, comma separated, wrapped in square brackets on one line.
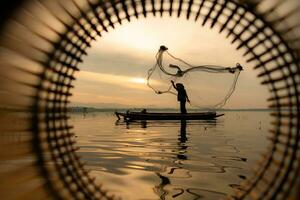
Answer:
[(168, 160)]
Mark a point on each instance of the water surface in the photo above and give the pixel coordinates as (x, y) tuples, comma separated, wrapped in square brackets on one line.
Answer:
[(171, 160)]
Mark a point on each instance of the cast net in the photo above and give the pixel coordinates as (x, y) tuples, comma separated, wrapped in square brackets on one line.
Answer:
[(207, 86)]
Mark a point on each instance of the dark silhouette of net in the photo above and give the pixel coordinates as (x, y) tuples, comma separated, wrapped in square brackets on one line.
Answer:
[(195, 79)]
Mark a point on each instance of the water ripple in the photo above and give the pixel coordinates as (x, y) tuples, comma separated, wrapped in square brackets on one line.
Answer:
[(167, 160)]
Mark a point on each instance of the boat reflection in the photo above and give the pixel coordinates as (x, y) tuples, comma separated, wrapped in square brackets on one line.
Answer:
[(205, 124)]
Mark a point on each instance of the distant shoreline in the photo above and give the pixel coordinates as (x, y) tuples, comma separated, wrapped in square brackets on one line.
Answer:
[(93, 109), (82, 109)]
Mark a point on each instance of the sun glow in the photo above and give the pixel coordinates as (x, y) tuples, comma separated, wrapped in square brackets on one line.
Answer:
[(139, 80)]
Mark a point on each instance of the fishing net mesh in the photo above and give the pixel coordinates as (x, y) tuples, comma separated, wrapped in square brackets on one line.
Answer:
[(208, 86)]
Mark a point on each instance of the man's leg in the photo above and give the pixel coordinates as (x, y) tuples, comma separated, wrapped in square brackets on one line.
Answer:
[(182, 107)]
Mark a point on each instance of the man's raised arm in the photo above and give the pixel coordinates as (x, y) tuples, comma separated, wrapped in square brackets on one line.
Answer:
[(173, 84)]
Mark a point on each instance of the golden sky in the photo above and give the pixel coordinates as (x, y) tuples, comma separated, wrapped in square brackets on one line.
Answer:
[(115, 69)]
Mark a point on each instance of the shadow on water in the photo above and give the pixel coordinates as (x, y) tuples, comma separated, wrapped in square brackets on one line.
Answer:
[(172, 159), (164, 189)]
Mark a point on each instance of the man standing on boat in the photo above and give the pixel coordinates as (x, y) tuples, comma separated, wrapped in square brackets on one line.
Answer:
[(182, 96)]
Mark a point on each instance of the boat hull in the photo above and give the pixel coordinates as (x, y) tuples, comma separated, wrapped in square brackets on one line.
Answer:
[(129, 116)]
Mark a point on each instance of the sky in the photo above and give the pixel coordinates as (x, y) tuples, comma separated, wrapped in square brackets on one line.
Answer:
[(114, 72)]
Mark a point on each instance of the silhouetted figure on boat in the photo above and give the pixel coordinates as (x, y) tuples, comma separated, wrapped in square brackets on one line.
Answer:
[(182, 96)]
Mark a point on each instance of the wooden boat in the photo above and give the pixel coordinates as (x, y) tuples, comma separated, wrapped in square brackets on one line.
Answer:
[(130, 116)]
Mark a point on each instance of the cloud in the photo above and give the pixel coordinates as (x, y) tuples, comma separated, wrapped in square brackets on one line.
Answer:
[(137, 83)]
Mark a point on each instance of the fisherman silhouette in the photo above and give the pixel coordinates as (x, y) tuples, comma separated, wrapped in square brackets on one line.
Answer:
[(182, 96)]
